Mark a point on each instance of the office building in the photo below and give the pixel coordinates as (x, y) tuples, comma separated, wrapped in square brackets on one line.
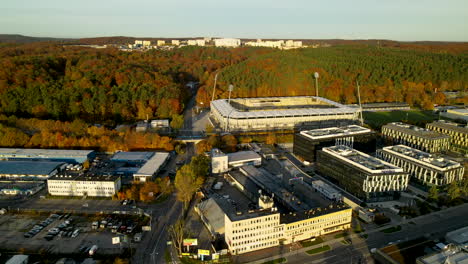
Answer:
[(458, 134), (227, 42), (308, 142), (63, 155), (423, 167), (221, 162), (140, 166), (364, 176), (416, 137), (276, 113), (245, 212), (83, 185)]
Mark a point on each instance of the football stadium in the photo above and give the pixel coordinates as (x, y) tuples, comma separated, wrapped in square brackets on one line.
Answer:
[(280, 113)]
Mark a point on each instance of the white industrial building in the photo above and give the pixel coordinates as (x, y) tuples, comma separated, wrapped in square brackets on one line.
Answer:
[(326, 190), (272, 113), (151, 167), (221, 162), (227, 42), (82, 185), (424, 167)]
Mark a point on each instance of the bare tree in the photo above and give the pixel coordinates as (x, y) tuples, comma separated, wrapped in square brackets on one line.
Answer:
[(176, 232)]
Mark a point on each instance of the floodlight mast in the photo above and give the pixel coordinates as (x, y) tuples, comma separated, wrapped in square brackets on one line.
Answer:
[(231, 87), (214, 85), (316, 76), (359, 100)]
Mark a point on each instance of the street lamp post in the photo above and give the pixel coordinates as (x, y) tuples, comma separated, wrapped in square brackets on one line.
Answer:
[(316, 76), (214, 85)]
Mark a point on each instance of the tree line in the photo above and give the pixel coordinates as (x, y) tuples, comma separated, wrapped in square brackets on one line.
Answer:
[(384, 74)]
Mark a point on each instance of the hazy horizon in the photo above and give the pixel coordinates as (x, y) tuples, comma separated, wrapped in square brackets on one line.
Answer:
[(399, 20)]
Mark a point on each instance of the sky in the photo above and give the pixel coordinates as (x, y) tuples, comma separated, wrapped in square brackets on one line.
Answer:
[(404, 20)]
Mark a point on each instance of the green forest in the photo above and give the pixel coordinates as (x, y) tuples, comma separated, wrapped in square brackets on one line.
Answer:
[(384, 74), (54, 95)]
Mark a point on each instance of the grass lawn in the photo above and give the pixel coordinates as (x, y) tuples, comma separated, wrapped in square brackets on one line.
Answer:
[(318, 250), (167, 256), (392, 229), (377, 119), (276, 261), (317, 241), (341, 235)]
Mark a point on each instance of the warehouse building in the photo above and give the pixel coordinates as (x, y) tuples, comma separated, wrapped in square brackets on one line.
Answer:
[(151, 167), (416, 137), (366, 177), (20, 188), (458, 134), (221, 162), (307, 143), (255, 213), (64, 155), (275, 113), (139, 166), (423, 167), (28, 170), (83, 185)]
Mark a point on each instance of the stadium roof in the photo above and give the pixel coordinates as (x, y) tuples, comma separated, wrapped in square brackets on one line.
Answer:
[(415, 131), (42, 153), (227, 110), (132, 156), (10, 167), (153, 164)]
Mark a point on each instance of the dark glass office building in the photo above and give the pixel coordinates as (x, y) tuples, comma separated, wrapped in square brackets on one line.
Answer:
[(307, 143), (366, 177)]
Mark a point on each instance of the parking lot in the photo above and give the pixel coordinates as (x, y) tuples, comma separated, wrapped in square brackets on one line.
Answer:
[(52, 234)]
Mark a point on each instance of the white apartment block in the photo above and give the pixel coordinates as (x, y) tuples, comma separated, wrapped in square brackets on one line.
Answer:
[(424, 167), (96, 186), (227, 42), (416, 137), (196, 42), (161, 43), (175, 42)]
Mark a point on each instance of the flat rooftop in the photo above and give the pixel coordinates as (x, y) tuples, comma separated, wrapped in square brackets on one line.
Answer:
[(132, 156), (243, 155), (459, 236), (84, 177), (332, 132), (42, 153), (422, 157), (269, 183), (451, 126), (327, 187), (153, 164), (13, 167), (361, 160), (446, 257), (415, 130), (280, 107)]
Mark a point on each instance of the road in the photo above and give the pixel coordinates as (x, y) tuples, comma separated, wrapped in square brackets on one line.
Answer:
[(431, 226)]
